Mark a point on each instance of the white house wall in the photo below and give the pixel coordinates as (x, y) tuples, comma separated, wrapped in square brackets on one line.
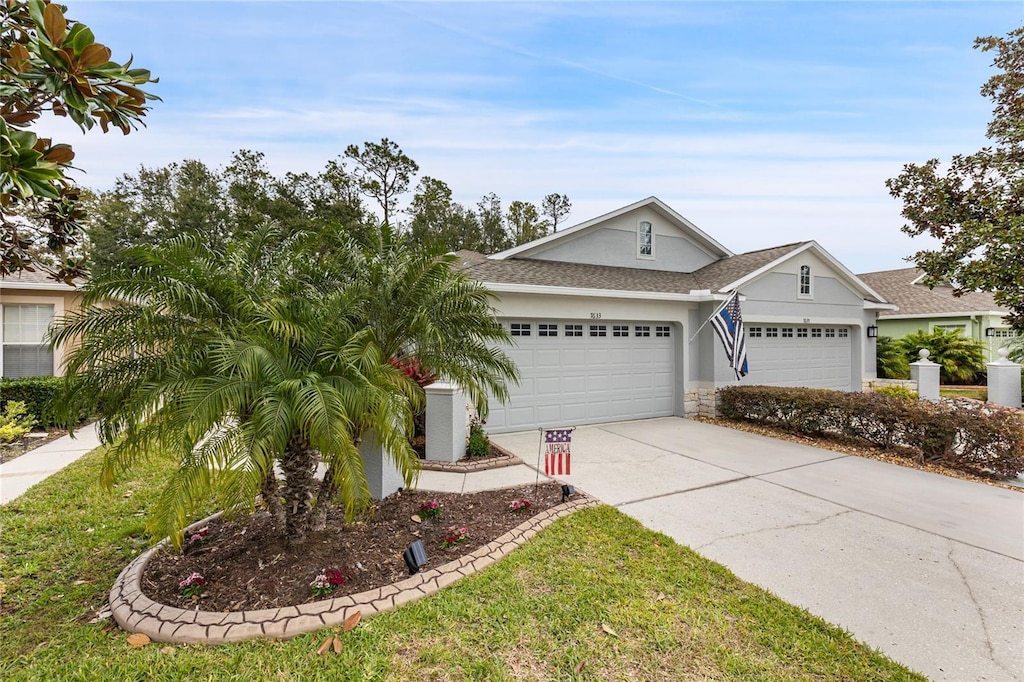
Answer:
[(614, 243)]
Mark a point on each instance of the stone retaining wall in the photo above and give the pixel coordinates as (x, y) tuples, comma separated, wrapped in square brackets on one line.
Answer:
[(136, 612)]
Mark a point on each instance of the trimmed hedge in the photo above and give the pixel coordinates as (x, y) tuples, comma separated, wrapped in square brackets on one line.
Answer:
[(964, 435), (39, 395)]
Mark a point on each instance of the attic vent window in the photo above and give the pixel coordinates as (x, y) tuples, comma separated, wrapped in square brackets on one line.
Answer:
[(805, 281), (645, 240)]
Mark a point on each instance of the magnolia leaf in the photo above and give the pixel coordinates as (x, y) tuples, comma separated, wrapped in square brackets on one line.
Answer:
[(55, 25), (351, 621), (138, 639), (337, 645), (322, 649), (94, 55), (608, 631), (416, 518), (579, 667), (59, 153)]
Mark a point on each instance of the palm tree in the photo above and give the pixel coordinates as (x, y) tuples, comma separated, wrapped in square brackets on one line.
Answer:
[(890, 360), (236, 363), (961, 358)]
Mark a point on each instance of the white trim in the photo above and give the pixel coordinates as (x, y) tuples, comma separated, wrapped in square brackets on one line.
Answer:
[(803, 321), (872, 305), (507, 288), (850, 278), (36, 286), (911, 316), (699, 236), (800, 283)]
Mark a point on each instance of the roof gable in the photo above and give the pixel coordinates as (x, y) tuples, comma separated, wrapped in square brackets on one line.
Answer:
[(598, 232)]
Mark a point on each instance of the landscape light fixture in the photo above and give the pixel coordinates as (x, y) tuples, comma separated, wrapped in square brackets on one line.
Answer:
[(990, 331), (872, 331), (415, 557), (567, 490)]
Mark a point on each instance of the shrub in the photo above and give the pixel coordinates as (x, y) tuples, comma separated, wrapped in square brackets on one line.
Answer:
[(478, 444), (965, 435), (15, 421), (960, 358), (890, 360), (897, 391), (40, 395)]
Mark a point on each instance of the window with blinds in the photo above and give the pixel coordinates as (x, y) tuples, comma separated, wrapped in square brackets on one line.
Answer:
[(25, 351)]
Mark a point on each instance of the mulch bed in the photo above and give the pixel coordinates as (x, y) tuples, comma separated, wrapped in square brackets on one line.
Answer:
[(248, 566)]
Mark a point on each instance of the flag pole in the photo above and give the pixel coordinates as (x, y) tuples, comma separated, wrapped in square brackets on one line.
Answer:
[(540, 449), (712, 316)]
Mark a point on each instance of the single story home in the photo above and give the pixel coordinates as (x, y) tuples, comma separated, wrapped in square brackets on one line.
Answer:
[(975, 314), (29, 303), (606, 319)]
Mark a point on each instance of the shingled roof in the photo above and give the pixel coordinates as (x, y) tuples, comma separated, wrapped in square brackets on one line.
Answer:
[(897, 286), (532, 271), (24, 277)]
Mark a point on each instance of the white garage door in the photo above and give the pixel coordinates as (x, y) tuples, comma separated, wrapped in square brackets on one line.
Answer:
[(801, 355), (575, 372)]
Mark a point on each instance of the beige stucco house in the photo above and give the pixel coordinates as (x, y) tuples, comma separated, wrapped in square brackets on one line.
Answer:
[(29, 304)]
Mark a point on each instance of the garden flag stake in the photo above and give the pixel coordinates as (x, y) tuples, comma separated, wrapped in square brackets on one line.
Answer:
[(555, 446), (728, 324)]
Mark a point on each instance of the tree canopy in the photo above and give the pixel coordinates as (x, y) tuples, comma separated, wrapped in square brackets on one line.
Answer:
[(50, 63), (975, 206)]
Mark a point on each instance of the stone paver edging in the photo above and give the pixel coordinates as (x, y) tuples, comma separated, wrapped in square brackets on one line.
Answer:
[(467, 465), (136, 612)]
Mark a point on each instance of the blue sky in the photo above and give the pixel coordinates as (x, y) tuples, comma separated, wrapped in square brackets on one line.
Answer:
[(763, 123)]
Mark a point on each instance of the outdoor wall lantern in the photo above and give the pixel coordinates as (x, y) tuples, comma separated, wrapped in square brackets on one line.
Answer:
[(872, 331), (567, 490), (415, 557), (990, 331)]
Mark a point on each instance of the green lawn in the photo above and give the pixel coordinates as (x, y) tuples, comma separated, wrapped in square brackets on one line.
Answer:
[(976, 392), (536, 615)]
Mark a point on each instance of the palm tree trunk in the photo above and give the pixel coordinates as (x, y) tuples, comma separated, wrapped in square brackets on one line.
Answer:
[(271, 494), (328, 489), (298, 464)]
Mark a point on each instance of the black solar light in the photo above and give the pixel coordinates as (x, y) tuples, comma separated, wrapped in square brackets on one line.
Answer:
[(415, 557), (567, 490)]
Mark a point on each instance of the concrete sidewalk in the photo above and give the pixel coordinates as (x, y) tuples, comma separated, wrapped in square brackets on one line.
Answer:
[(20, 474), (927, 568)]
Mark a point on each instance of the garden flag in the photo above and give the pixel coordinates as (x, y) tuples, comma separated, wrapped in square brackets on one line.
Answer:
[(556, 452), (728, 324)]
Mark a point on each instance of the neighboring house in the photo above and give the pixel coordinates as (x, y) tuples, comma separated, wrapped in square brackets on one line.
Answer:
[(602, 316), (29, 303), (975, 314)]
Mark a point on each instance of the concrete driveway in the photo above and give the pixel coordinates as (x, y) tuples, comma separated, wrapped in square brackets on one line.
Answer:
[(926, 568)]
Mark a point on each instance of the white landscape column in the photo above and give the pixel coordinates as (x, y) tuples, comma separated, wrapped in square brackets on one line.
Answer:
[(926, 374), (1004, 381), (382, 477), (446, 422)]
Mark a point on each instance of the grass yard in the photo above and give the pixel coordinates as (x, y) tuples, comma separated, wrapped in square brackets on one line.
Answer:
[(593, 597), (975, 392)]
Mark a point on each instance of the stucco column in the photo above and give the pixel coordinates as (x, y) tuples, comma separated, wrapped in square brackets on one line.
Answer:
[(1004, 381), (382, 477), (926, 374), (446, 422)]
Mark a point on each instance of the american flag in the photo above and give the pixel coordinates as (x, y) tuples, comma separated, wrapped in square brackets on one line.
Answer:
[(728, 324), (556, 452)]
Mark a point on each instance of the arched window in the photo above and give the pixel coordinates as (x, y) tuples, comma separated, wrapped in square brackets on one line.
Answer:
[(805, 281)]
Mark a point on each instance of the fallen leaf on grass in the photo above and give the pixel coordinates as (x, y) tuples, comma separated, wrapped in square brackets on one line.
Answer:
[(79, 582), (661, 595), (351, 621), (168, 650), (322, 649), (608, 631), (731, 619), (579, 667), (57, 597), (337, 645), (138, 639)]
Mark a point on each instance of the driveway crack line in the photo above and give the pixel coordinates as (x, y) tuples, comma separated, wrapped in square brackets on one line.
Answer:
[(683, 490), (977, 608), (774, 528)]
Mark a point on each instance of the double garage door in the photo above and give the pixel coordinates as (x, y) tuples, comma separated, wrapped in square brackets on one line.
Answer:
[(799, 355), (584, 372)]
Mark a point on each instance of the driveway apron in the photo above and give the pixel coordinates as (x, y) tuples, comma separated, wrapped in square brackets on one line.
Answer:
[(928, 569)]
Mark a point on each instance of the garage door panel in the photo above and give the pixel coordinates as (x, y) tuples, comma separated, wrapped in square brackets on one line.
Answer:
[(587, 379), (822, 361)]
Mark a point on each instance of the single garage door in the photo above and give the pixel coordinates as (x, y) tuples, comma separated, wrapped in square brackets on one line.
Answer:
[(586, 372), (804, 355)]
